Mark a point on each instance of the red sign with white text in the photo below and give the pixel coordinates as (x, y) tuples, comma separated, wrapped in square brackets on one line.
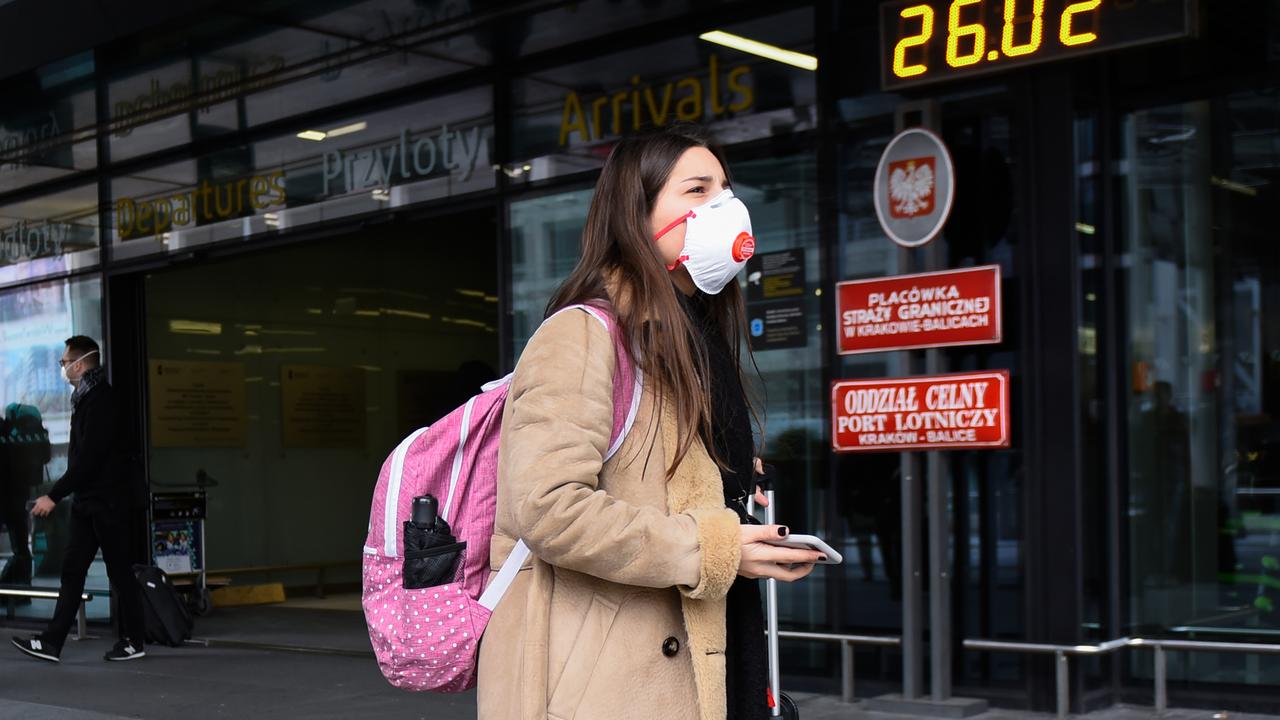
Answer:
[(938, 309), (961, 411)]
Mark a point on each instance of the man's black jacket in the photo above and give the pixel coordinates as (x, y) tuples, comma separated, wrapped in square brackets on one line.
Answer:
[(98, 465)]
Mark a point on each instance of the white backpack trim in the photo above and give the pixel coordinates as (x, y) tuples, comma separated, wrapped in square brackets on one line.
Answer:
[(457, 458), (389, 534)]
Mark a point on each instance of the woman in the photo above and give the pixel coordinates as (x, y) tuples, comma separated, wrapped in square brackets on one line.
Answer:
[(624, 609)]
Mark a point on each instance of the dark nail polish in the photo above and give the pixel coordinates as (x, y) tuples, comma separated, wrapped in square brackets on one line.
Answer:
[(823, 558), (782, 530)]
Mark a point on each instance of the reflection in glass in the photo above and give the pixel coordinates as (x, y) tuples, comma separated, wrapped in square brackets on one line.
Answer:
[(46, 122), (546, 242), (258, 74), (35, 320), (332, 352), (49, 234), (371, 162), (566, 117), (1201, 278)]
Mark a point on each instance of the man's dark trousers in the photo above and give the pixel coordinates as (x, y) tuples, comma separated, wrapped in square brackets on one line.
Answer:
[(98, 526)]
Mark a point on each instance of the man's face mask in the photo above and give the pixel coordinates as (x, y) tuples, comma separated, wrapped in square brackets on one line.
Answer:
[(717, 241), (65, 377)]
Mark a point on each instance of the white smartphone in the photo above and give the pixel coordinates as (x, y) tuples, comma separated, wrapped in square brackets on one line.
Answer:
[(810, 542)]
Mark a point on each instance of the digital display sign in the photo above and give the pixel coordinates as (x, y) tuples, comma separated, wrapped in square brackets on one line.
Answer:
[(924, 41)]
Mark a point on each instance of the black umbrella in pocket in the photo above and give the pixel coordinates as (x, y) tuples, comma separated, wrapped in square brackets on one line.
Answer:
[(432, 555)]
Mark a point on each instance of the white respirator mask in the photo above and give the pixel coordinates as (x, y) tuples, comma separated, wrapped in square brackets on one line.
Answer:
[(717, 242)]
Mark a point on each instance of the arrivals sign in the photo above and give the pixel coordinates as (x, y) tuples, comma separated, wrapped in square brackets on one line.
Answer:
[(937, 309), (914, 187), (962, 411)]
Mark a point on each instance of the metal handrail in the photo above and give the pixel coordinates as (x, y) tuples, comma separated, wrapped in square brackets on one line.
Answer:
[(846, 651), (1061, 654), (82, 617), (1160, 675)]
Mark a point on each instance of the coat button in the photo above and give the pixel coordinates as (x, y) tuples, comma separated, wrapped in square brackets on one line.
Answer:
[(670, 647)]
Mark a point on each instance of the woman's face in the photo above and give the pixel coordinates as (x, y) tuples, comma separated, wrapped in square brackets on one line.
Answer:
[(697, 178)]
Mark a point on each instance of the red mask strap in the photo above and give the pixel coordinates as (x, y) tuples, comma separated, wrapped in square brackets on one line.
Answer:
[(673, 225)]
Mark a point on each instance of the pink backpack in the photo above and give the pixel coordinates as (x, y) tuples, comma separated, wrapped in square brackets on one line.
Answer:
[(428, 638)]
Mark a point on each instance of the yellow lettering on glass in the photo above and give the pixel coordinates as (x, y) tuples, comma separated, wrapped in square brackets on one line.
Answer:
[(956, 31), (1067, 34), (1011, 21), (688, 98), (900, 66)]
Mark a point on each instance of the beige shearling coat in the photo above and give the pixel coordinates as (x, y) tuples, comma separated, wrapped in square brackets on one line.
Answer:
[(623, 560)]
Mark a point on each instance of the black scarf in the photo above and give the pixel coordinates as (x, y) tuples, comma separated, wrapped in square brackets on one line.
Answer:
[(88, 381), (746, 657)]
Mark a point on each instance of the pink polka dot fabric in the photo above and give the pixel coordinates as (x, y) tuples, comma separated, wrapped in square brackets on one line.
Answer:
[(427, 639)]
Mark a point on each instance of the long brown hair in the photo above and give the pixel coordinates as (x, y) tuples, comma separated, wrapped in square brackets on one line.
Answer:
[(617, 248)]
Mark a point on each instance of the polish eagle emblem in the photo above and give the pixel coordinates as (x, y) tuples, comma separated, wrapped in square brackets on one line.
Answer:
[(911, 184)]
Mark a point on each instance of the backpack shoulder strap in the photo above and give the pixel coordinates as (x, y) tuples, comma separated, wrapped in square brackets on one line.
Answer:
[(628, 386), (628, 383)]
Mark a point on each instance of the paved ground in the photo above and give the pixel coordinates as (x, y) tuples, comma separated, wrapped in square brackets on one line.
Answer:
[(235, 682), (235, 677)]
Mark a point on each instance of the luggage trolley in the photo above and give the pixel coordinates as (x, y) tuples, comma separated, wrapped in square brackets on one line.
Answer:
[(177, 541)]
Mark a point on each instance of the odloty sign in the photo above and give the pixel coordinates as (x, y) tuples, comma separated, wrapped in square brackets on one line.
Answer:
[(938, 309), (914, 187), (962, 411)]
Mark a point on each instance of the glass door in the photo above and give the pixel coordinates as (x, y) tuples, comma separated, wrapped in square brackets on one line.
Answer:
[(1201, 283)]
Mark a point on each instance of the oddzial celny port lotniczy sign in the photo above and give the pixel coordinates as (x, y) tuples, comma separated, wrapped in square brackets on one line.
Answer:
[(958, 411), (914, 187)]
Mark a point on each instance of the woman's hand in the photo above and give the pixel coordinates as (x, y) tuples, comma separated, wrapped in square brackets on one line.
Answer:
[(762, 560)]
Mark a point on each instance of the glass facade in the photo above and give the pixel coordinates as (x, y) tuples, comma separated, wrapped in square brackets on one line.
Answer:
[(370, 202), (34, 322), (1202, 398)]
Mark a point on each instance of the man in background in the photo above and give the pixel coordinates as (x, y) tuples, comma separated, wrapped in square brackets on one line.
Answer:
[(98, 473)]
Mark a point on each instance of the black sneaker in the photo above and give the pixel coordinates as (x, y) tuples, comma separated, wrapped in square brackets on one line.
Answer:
[(37, 647), (125, 650)]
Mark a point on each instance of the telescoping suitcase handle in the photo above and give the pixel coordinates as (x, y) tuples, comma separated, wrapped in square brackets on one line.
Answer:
[(781, 706)]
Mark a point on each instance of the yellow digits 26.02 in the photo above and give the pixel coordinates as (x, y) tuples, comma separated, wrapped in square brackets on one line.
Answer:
[(900, 66), (955, 31), (1011, 21), (1067, 34)]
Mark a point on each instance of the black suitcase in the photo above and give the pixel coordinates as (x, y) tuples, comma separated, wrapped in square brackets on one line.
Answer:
[(168, 621)]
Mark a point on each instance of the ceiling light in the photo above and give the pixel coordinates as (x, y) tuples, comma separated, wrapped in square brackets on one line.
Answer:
[(764, 50), (1233, 186), (315, 135), (293, 350), (287, 332), (406, 313), (194, 327), (347, 129)]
